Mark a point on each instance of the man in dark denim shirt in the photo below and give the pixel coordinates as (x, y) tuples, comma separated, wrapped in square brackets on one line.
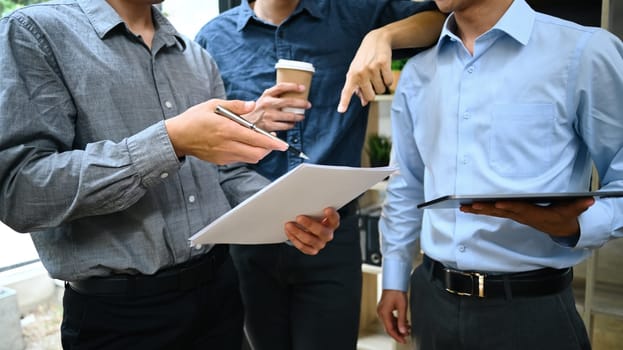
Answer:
[(108, 155), (293, 301)]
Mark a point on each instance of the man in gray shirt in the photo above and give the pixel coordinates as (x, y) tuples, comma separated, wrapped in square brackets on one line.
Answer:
[(108, 156)]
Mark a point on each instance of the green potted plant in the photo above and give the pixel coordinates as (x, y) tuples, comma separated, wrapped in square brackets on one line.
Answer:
[(378, 149)]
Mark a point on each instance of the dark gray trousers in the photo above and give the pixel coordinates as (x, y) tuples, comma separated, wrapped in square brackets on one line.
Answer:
[(442, 321)]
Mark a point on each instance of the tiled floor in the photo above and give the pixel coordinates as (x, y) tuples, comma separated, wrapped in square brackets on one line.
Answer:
[(608, 333), (41, 327)]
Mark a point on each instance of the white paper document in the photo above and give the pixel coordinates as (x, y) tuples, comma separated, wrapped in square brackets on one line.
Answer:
[(305, 190)]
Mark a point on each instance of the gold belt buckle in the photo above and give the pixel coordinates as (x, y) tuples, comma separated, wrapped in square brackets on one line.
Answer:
[(474, 276)]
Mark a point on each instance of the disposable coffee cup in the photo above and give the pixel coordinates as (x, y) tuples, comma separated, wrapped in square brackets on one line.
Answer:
[(295, 72)]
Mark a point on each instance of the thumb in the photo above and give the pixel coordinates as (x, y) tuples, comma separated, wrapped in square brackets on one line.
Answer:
[(239, 107), (403, 327), (585, 204)]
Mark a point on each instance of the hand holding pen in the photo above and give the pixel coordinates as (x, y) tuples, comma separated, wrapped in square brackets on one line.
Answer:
[(242, 121), (201, 133)]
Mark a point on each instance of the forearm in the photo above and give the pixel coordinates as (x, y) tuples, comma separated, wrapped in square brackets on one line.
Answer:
[(46, 189), (419, 30)]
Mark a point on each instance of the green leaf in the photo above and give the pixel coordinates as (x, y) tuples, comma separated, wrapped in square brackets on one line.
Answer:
[(399, 64)]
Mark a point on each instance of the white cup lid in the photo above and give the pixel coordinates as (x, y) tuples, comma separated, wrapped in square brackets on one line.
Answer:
[(299, 65)]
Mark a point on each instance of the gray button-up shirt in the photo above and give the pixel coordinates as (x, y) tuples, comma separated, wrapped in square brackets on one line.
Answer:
[(86, 164)]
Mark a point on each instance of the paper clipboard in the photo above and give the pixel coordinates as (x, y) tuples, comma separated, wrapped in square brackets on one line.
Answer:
[(305, 190)]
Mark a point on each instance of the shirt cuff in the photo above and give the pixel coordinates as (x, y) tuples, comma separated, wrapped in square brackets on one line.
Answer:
[(152, 154), (595, 226), (396, 274)]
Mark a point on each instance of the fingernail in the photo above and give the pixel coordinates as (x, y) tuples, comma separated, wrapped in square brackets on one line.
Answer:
[(248, 104)]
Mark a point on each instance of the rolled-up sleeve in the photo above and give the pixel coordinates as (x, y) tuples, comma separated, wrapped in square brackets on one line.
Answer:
[(44, 179)]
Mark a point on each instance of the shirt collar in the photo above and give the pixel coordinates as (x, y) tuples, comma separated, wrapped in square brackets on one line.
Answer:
[(517, 22), (104, 19), (246, 12)]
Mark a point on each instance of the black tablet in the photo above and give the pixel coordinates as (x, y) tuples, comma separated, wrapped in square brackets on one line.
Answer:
[(455, 201)]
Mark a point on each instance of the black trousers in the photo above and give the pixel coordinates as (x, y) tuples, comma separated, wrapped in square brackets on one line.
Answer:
[(301, 302), (206, 317), (441, 320)]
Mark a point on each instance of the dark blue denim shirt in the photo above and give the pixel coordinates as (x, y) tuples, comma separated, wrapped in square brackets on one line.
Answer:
[(326, 33)]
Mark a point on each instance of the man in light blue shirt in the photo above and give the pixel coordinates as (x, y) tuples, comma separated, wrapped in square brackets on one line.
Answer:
[(508, 101)]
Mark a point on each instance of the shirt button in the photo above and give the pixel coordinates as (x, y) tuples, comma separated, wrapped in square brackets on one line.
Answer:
[(198, 246), (294, 140), (470, 70), (168, 104), (191, 199), (164, 175), (466, 116), (461, 248)]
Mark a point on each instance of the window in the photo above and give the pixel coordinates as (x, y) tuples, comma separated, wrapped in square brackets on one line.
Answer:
[(188, 16), (16, 249)]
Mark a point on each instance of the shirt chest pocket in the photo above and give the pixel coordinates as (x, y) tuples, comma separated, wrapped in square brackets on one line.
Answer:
[(521, 139)]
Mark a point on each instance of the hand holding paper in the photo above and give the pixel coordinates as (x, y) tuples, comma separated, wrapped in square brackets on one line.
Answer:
[(310, 235)]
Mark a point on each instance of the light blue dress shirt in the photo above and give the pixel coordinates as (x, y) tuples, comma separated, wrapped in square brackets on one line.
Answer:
[(537, 102)]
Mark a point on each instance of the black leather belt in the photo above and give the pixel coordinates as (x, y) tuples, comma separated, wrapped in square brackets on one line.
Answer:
[(522, 284), (182, 277)]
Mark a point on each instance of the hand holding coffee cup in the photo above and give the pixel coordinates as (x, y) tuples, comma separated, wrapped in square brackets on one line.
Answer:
[(295, 72)]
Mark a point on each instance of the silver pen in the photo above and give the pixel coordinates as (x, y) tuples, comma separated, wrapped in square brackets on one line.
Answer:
[(220, 110)]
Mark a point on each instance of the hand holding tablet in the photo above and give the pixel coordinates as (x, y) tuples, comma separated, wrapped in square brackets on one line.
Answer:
[(455, 201)]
